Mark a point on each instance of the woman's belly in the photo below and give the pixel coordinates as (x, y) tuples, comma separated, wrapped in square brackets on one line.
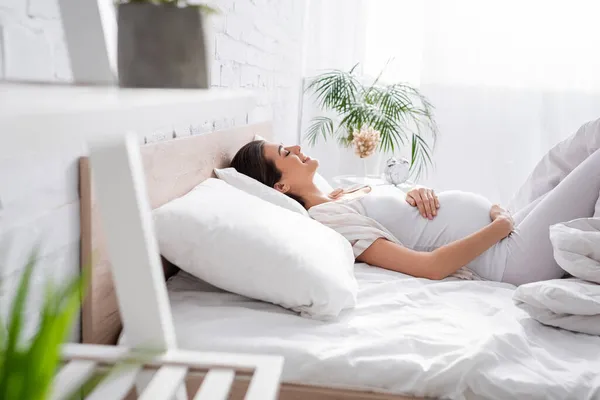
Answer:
[(460, 214)]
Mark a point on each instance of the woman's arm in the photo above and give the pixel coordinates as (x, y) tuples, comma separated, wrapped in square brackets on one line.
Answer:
[(441, 262)]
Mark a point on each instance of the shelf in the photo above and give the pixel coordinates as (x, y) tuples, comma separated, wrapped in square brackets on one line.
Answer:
[(34, 117)]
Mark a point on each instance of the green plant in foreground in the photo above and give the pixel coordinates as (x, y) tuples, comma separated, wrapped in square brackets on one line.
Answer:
[(27, 367), (400, 113)]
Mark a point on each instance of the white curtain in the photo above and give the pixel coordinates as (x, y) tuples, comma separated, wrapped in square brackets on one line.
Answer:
[(508, 79), (334, 39)]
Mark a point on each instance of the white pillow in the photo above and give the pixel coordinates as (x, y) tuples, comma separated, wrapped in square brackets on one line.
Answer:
[(242, 244), (255, 188), (577, 247), (571, 304)]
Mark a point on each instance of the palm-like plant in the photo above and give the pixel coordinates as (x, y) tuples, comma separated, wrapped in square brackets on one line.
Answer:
[(27, 367), (28, 364), (401, 114)]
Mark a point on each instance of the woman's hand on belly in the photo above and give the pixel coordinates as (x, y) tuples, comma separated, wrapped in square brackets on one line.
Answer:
[(425, 200)]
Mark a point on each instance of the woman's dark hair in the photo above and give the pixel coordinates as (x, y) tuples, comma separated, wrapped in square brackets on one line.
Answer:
[(251, 161)]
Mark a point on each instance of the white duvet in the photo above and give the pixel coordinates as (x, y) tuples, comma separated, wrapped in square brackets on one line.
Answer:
[(572, 304), (452, 339)]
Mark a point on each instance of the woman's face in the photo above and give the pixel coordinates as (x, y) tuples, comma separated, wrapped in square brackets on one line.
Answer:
[(297, 169)]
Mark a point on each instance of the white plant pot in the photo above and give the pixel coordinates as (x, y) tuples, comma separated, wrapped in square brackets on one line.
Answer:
[(350, 163)]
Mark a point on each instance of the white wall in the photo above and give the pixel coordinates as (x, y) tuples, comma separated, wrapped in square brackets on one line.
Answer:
[(32, 39), (334, 39), (258, 45)]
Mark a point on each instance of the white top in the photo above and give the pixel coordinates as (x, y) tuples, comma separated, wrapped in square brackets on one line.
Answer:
[(384, 213), (348, 217)]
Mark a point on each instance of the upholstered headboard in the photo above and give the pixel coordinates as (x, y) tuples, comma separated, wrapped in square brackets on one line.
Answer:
[(172, 168)]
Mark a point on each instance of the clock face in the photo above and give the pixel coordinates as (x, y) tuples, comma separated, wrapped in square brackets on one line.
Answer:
[(397, 171)]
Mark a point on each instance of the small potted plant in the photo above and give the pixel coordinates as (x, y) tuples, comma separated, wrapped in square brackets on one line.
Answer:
[(374, 117), (30, 360), (163, 44), (28, 364)]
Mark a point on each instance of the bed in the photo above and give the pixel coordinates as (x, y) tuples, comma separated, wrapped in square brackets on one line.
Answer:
[(407, 337)]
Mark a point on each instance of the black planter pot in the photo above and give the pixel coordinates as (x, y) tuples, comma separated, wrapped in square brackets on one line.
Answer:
[(162, 46)]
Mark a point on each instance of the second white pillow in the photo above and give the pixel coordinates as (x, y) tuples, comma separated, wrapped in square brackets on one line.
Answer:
[(255, 188)]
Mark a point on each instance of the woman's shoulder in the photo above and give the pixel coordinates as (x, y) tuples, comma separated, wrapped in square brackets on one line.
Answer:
[(343, 202)]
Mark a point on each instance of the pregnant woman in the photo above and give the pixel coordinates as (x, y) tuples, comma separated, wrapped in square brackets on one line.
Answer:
[(428, 235)]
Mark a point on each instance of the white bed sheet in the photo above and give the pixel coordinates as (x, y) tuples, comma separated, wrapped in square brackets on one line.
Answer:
[(453, 339)]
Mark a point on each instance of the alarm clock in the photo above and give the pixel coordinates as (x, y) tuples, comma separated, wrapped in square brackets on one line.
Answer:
[(397, 170)]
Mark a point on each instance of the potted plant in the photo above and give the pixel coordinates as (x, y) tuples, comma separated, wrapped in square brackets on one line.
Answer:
[(377, 116), (28, 365), (163, 44)]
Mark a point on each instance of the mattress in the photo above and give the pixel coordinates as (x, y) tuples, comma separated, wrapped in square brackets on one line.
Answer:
[(452, 339)]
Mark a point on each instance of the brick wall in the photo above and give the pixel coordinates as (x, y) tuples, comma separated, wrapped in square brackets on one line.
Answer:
[(32, 41), (257, 45)]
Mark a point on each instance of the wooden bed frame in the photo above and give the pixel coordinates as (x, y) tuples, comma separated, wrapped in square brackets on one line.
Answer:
[(172, 168)]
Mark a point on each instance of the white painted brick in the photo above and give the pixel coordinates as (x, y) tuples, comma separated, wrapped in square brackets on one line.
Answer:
[(55, 36), (229, 49), (240, 120), (271, 29), (264, 98), (271, 46), (56, 268), (224, 123), (260, 114), (230, 75), (180, 130), (28, 54), (39, 182), (159, 136), (263, 81), (195, 129), (249, 76), (236, 26), (47, 9), (260, 4), (247, 9), (218, 23), (252, 55), (220, 124), (266, 61), (215, 73), (254, 38), (52, 231), (207, 126), (200, 128), (277, 63)]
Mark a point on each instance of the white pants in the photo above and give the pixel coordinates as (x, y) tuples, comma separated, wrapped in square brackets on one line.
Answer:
[(563, 196)]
